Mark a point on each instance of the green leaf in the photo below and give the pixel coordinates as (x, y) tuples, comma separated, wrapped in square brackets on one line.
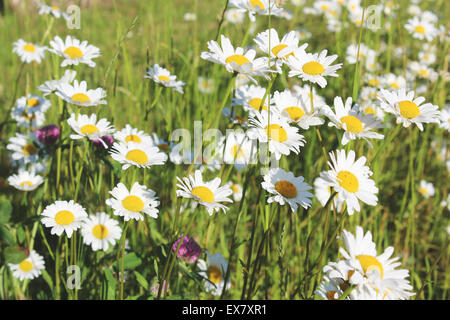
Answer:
[(14, 255), (141, 279), (7, 236), (47, 279), (132, 261), (109, 285), (5, 210), (20, 234)]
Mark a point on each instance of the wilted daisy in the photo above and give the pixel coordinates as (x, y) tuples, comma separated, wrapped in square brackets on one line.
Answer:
[(237, 149), (408, 109), (378, 271), (205, 85), (24, 147), (100, 231), (89, 127), (261, 7), (130, 134), (281, 137), (63, 216), (162, 76), (52, 10), (312, 67), (296, 108), (356, 125), (133, 204), (74, 52), (214, 271), (287, 189), (142, 155), (25, 180), (421, 29), (208, 194), (31, 267), (426, 189), (235, 60), (50, 86), (29, 52), (350, 179), (78, 94)]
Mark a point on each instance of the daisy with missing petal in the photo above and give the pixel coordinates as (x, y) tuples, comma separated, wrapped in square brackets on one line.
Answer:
[(261, 7), (407, 109), (251, 98), (287, 189), (30, 268), (421, 29), (214, 271), (63, 216), (208, 194), (50, 86), (24, 148), (100, 231), (142, 155), (78, 94), (379, 271), (74, 52), (235, 60), (25, 180), (162, 76), (133, 204), (356, 125), (29, 52), (350, 179), (312, 67), (89, 127), (130, 134), (426, 189), (296, 109), (281, 137)]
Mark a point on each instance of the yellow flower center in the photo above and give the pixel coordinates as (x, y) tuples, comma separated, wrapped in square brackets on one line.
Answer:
[(237, 151), (239, 59), (353, 124), (394, 85), (26, 266), (133, 138), (203, 193), (29, 149), (29, 47), (33, 102), (424, 73), (133, 203), (164, 78), (408, 109), (313, 68), (257, 3), (234, 188), (80, 97), (280, 47), (138, 156), (423, 191), (214, 274), (29, 117), (369, 263), (100, 231), (255, 103), (369, 110), (348, 181), (276, 132), (295, 113), (286, 188), (64, 218), (324, 7), (88, 129), (29, 183), (73, 52), (419, 29)]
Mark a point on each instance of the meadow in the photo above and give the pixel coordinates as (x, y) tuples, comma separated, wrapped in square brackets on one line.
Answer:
[(142, 179)]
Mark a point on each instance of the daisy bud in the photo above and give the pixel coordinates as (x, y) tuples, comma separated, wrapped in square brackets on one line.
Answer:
[(48, 134), (189, 250)]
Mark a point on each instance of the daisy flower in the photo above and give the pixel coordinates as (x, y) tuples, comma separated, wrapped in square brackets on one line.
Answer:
[(237, 191), (261, 7), (24, 148), (205, 85), (328, 289), (100, 231), (208, 194), (130, 134), (427, 58), (287, 189), (25, 180), (305, 91), (50, 86), (237, 149), (63, 216), (421, 29), (74, 52), (89, 127), (426, 189), (282, 138), (135, 203), (214, 271), (422, 71), (30, 268), (350, 179), (29, 52), (233, 15), (322, 192), (52, 10), (162, 76), (445, 118), (142, 155), (312, 67), (78, 94), (251, 98), (356, 125), (235, 60), (30, 104), (394, 82), (296, 109), (26, 119), (407, 109)]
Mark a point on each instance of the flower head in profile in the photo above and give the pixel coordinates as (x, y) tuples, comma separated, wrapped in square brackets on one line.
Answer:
[(79, 95), (25, 180), (50, 86), (260, 7), (162, 76)]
